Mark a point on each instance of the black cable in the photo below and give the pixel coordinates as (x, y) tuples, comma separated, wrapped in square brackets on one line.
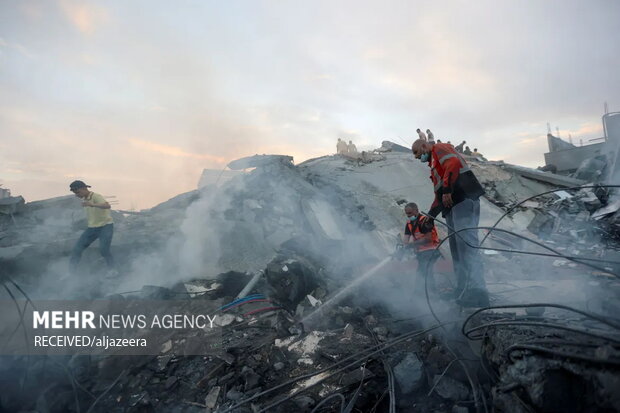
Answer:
[(378, 402), (517, 289), (21, 313), (560, 342), (383, 346), (355, 362), (388, 370), (21, 323), (542, 254), (463, 366), (533, 348), (349, 407), (328, 398), (600, 318), (92, 406), (493, 228), (21, 291), (477, 247), (540, 194), (557, 253), (73, 385), (469, 332)]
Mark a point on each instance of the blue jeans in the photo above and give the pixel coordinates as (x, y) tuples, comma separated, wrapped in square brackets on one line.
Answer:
[(104, 234), (426, 262), (466, 260)]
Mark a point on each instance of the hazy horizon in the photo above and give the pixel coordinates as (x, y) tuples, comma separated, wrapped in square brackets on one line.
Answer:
[(137, 98)]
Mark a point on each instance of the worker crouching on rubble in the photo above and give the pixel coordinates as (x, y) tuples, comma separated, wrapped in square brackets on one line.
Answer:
[(457, 193), (100, 225), (421, 235)]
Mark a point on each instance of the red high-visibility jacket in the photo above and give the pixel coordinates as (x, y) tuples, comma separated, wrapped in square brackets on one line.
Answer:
[(431, 239), (451, 175)]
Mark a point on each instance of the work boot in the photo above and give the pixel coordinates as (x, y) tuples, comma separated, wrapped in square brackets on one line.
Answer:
[(474, 297)]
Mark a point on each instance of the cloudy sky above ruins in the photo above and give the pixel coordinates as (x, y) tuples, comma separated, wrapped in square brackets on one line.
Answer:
[(137, 97)]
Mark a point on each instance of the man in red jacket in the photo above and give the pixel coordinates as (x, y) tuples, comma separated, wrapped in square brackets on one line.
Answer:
[(457, 193), (423, 238)]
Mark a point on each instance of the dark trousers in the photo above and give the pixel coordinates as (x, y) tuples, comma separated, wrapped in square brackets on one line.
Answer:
[(104, 234), (466, 260), (426, 262)]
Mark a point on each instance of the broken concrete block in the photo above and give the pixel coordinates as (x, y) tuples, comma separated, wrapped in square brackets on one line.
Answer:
[(166, 347), (227, 358), (197, 289), (162, 361), (531, 204), (591, 203), (211, 399), (347, 334), (409, 373), (313, 301), (450, 389), (290, 280), (306, 361), (251, 378), (234, 395), (356, 376), (142, 399), (304, 403), (346, 310), (308, 345), (224, 320), (542, 224), (257, 161), (306, 306), (155, 292), (370, 320), (170, 382)]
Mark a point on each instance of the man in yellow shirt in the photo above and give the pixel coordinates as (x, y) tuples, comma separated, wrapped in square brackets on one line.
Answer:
[(100, 225)]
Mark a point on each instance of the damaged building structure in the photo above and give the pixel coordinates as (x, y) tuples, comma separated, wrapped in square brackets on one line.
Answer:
[(586, 161), (315, 305)]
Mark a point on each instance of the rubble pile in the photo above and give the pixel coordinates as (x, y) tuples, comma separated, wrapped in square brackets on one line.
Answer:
[(271, 249), (544, 361), (579, 220), (268, 361), (35, 243)]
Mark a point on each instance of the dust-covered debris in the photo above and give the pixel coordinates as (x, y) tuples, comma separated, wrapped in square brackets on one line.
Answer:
[(314, 229)]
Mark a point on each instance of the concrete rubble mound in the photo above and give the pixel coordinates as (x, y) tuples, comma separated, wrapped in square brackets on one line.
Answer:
[(315, 302)]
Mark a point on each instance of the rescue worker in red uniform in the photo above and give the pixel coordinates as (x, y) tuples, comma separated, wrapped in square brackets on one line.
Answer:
[(457, 193), (423, 238)]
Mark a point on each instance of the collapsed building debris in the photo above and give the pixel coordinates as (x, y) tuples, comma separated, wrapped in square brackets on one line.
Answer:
[(271, 247), (547, 362), (11, 205), (258, 160)]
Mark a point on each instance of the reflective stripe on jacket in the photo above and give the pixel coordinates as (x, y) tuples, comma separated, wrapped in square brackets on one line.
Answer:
[(431, 239), (451, 175)]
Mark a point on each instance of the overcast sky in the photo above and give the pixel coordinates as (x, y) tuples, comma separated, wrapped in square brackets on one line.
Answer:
[(137, 97)]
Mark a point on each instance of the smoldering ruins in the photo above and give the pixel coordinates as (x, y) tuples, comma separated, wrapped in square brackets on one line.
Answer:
[(317, 307)]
